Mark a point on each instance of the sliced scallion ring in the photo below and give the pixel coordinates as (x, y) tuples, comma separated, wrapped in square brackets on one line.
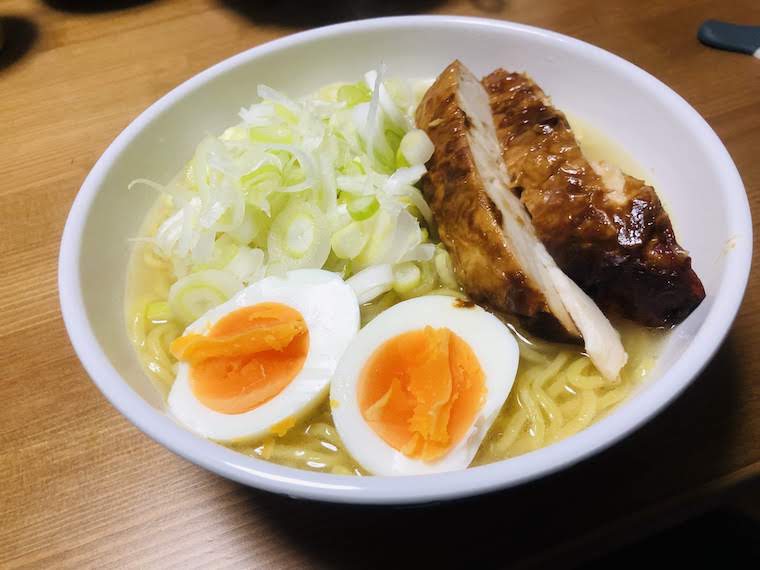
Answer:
[(194, 295), (363, 207), (299, 236), (406, 276)]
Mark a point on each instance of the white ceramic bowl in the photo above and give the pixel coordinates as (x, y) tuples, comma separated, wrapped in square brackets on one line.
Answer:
[(692, 169)]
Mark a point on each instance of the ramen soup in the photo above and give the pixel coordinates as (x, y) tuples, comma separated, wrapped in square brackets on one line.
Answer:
[(293, 296)]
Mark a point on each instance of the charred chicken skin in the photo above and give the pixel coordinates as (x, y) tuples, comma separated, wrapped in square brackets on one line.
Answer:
[(606, 230)]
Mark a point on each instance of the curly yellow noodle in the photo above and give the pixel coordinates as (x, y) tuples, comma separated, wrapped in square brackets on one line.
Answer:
[(583, 417), (159, 360), (324, 432), (576, 368), (160, 338), (284, 452), (583, 382), (309, 444), (614, 396), (537, 426), (524, 444), (576, 379), (313, 445), (137, 329), (554, 415), (540, 374), (513, 430), (558, 386), (570, 407), (303, 454)]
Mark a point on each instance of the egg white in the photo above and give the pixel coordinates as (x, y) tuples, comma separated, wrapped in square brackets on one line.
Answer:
[(331, 312), (494, 346)]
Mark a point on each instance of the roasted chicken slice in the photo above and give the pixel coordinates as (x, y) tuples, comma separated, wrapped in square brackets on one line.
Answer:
[(606, 230), (496, 254)]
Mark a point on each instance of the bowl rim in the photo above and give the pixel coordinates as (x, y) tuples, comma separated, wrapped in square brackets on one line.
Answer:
[(420, 488)]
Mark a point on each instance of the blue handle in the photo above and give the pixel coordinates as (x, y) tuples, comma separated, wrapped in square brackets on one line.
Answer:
[(730, 37)]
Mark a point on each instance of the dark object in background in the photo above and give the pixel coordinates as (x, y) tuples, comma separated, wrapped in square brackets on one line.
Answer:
[(312, 14), (730, 37), (17, 36), (93, 6), (614, 240)]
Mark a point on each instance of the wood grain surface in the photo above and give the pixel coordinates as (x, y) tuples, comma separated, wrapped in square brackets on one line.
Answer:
[(80, 487)]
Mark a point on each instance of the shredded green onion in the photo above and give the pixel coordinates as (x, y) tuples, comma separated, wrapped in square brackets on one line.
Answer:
[(354, 93), (445, 269), (363, 208), (348, 242), (406, 276), (325, 180), (415, 148), (427, 282), (224, 250)]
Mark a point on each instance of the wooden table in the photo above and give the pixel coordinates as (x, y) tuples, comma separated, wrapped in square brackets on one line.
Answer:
[(81, 487)]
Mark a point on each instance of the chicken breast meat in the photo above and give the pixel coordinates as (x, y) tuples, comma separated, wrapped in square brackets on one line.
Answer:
[(606, 230), (496, 253)]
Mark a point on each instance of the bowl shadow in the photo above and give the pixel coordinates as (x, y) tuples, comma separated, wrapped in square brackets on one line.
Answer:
[(529, 525)]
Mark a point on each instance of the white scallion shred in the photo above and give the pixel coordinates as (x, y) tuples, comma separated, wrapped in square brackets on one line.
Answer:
[(372, 282), (298, 181)]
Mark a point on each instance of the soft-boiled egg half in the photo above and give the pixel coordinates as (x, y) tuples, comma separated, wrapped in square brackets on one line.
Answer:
[(419, 387), (257, 363)]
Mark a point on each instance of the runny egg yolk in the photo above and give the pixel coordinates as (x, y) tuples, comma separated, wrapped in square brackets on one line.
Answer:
[(421, 391), (247, 358)]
